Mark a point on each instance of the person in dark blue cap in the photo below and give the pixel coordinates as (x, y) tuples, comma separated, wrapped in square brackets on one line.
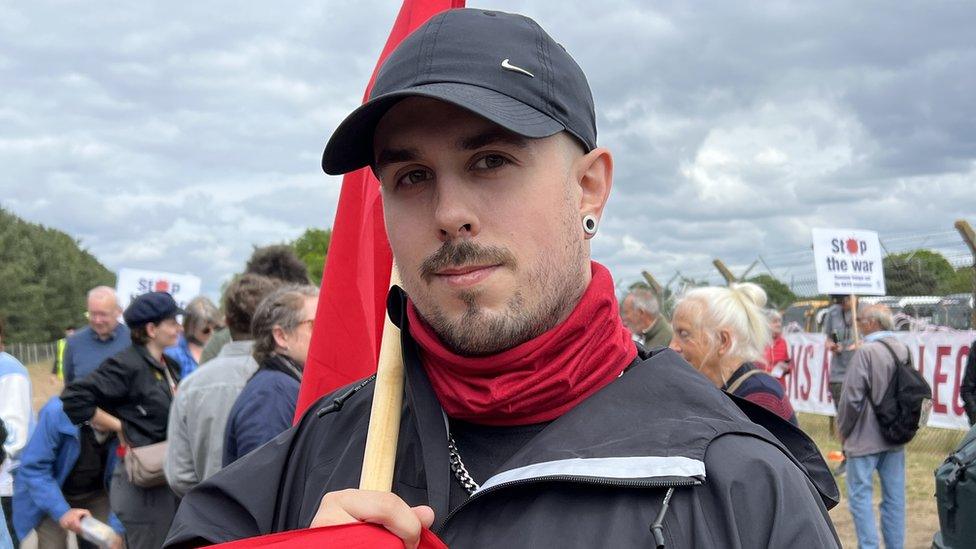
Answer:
[(130, 394)]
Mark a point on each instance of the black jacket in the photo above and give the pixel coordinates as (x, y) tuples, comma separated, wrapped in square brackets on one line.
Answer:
[(595, 477), (967, 389), (132, 387)]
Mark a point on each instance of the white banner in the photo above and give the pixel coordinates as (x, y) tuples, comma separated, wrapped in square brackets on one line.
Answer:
[(940, 356), (134, 282), (848, 261)]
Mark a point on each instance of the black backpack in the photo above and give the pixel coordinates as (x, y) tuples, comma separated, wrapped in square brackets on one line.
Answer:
[(906, 403), (955, 495)]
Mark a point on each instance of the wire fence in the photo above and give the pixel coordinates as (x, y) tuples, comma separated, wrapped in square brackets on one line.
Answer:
[(929, 279), (32, 353)]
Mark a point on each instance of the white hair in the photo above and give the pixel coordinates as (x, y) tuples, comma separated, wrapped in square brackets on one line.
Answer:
[(738, 309), (879, 313), (644, 300), (102, 291)]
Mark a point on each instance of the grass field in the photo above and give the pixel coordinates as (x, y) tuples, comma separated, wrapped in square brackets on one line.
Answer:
[(925, 453)]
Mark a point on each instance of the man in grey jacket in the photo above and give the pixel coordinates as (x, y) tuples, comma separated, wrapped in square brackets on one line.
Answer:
[(199, 412), (866, 381)]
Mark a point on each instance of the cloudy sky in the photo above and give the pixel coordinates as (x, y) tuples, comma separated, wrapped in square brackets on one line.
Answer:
[(178, 135)]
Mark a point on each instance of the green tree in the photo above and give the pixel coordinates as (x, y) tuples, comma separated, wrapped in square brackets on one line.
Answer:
[(313, 247), (960, 282), (920, 272), (778, 295), (44, 279)]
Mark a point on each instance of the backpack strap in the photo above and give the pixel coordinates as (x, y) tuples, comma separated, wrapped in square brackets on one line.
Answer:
[(738, 383), (894, 371)]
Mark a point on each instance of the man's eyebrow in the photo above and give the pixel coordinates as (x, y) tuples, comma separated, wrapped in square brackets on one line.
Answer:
[(390, 156), (488, 137)]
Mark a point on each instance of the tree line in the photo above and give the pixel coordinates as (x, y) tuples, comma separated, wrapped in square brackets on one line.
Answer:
[(45, 275)]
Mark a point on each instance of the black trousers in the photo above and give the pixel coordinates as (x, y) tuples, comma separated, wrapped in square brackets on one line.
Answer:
[(8, 514)]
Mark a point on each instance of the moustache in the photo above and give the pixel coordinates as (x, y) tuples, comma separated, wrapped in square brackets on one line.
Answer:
[(457, 254)]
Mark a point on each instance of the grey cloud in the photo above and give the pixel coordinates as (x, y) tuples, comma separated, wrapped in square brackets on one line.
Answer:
[(179, 135)]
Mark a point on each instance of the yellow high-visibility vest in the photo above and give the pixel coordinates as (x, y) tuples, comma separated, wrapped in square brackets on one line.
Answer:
[(59, 358)]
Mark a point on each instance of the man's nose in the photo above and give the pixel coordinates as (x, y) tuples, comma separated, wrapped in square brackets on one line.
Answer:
[(454, 212)]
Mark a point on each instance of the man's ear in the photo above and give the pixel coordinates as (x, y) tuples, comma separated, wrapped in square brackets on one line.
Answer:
[(594, 173)]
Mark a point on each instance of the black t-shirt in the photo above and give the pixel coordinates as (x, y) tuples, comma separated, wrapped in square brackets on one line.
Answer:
[(484, 449), (88, 474)]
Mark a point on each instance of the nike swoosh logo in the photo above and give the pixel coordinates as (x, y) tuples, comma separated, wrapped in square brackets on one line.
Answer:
[(511, 67)]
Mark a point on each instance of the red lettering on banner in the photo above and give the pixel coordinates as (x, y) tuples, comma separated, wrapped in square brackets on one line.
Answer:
[(938, 378), (805, 388), (824, 374), (957, 407)]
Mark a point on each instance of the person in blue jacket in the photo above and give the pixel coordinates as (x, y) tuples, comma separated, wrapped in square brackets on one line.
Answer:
[(63, 475), (282, 330)]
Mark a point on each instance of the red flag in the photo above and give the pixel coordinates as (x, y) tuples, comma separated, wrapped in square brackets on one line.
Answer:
[(349, 320), (345, 536)]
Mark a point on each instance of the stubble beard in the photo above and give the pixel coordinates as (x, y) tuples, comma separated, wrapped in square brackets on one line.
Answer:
[(556, 280)]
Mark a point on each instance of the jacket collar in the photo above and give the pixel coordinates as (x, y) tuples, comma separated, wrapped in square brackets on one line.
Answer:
[(168, 362)]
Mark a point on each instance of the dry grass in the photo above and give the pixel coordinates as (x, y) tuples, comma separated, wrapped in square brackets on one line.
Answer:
[(924, 454)]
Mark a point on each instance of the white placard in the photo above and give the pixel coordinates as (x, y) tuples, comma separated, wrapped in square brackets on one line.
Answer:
[(848, 261), (135, 282), (940, 356)]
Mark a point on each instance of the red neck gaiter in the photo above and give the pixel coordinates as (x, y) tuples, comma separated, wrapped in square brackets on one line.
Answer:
[(540, 379)]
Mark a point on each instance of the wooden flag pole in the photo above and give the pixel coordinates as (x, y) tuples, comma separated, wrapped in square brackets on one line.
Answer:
[(384, 416), (857, 335)]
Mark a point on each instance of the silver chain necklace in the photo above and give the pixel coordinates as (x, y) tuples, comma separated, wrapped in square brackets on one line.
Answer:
[(457, 467)]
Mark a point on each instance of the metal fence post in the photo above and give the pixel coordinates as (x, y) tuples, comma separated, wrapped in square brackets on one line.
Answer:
[(724, 271), (966, 231)]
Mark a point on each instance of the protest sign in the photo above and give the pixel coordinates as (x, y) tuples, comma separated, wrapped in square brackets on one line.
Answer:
[(135, 282), (848, 261)]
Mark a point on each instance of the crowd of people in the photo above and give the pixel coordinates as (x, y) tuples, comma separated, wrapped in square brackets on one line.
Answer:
[(139, 384), (537, 410), (138, 423)]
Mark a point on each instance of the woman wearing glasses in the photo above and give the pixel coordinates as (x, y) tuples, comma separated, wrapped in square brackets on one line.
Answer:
[(202, 318), (282, 330)]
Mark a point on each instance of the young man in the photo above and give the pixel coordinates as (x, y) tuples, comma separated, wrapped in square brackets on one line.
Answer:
[(529, 420), (868, 375)]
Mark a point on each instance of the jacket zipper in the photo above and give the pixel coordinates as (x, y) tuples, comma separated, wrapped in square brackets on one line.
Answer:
[(629, 483)]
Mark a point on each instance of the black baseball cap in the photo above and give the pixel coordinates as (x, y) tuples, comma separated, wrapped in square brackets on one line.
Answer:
[(151, 307), (500, 66)]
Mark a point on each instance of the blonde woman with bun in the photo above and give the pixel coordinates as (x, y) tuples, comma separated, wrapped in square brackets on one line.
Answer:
[(722, 332)]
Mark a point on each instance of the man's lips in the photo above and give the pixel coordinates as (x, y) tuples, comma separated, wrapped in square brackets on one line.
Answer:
[(468, 275)]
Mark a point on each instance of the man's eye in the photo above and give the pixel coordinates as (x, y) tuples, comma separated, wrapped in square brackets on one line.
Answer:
[(490, 162), (413, 177)]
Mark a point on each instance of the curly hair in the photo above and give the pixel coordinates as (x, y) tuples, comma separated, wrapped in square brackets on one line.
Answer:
[(279, 262), (241, 299)]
